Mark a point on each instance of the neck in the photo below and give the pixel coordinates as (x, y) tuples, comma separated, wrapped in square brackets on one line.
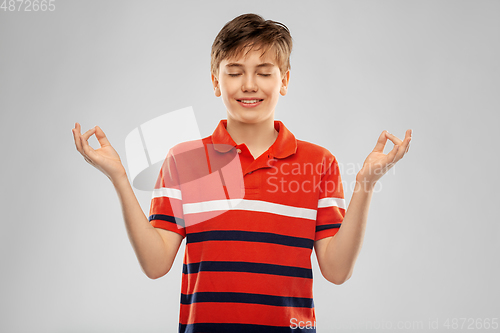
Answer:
[(258, 136)]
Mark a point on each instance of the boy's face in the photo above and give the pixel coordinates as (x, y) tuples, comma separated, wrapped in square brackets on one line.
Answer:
[(250, 77)]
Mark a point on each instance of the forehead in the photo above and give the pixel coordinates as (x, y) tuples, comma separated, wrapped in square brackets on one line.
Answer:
[(250, 55)]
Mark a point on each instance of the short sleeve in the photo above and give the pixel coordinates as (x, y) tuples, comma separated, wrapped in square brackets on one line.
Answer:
[(166, 204), (331, 203)]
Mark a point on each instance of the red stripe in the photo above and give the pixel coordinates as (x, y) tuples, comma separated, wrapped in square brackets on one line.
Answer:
[(255, 283), (250, 252), (243, 313)]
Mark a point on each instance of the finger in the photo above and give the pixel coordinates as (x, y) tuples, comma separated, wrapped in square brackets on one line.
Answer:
[(409, 133), (89, 154), (83, 149), (391, 157), (78, 142), (87, 149), (406, 145), (85, 145), (382, 139), (394, 139), (403, 144), (89, 133), (80, 138), (76, 138), (101, 137)]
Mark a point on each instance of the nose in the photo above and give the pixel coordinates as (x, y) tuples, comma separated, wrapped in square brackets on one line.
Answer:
[(249, 84)]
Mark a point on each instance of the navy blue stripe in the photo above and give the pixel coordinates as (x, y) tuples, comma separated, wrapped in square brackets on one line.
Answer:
[(249, 267), (232, 297), (244, 328), (249, 236), (327, 226), (168, 218)]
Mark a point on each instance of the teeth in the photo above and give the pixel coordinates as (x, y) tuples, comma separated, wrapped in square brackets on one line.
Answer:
[(250, 101)]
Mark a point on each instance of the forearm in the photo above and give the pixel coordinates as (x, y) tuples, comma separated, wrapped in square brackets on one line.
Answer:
[(343, 249), (145, 239)]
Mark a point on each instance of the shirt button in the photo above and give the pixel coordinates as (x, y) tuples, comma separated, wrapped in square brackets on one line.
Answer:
[(238, 150)]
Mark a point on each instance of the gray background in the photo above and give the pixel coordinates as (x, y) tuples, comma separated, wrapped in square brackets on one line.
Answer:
[(358, 68)]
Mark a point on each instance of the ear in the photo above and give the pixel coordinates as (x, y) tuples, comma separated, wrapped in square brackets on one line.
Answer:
[(284, 83), (215, 83)]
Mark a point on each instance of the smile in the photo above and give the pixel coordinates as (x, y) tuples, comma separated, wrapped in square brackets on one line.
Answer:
[(249, 103)]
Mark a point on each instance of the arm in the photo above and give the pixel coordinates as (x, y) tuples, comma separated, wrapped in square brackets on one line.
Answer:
[(155, 248), (338, 254)]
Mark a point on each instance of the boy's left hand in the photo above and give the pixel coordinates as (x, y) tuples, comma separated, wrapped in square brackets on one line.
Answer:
[(377, 163)]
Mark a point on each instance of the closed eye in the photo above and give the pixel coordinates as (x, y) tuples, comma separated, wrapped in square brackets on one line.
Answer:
[(234, 75)]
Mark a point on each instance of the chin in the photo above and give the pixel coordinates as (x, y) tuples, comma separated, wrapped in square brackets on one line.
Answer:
[(250, 116), (251, 119)]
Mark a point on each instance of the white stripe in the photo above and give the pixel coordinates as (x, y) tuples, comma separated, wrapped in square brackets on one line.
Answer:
[(329, 202), (251, 205), (167, 192)]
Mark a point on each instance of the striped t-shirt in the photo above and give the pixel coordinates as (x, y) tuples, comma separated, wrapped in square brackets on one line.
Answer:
[(250, 226)]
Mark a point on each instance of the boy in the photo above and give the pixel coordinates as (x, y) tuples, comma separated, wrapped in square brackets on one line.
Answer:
[(251, 199)]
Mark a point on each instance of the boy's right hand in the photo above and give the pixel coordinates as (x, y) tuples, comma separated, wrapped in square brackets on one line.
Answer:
[(105, 159)]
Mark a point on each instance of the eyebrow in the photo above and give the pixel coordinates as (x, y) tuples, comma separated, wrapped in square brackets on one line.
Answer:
[(235, 64)]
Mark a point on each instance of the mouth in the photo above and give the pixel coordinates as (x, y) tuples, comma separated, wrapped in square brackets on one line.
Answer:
[(249, 102)]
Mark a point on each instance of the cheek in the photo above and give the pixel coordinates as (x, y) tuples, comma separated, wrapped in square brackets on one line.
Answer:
[(229, 87), (272, 88), (225, 90)]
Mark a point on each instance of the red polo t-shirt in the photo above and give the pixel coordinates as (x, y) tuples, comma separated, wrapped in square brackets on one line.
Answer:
[(250, 226)]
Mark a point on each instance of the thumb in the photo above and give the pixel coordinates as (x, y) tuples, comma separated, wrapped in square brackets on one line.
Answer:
[(101, 137)]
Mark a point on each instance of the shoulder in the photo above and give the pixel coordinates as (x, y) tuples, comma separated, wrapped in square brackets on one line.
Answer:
[(191, 149), (184, 153), (187, 146), (312, 151)]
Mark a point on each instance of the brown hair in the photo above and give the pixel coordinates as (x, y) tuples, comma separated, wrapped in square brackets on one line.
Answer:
[(247, 31)]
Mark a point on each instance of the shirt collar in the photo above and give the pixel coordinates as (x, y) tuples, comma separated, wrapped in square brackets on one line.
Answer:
[(284, 146)]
